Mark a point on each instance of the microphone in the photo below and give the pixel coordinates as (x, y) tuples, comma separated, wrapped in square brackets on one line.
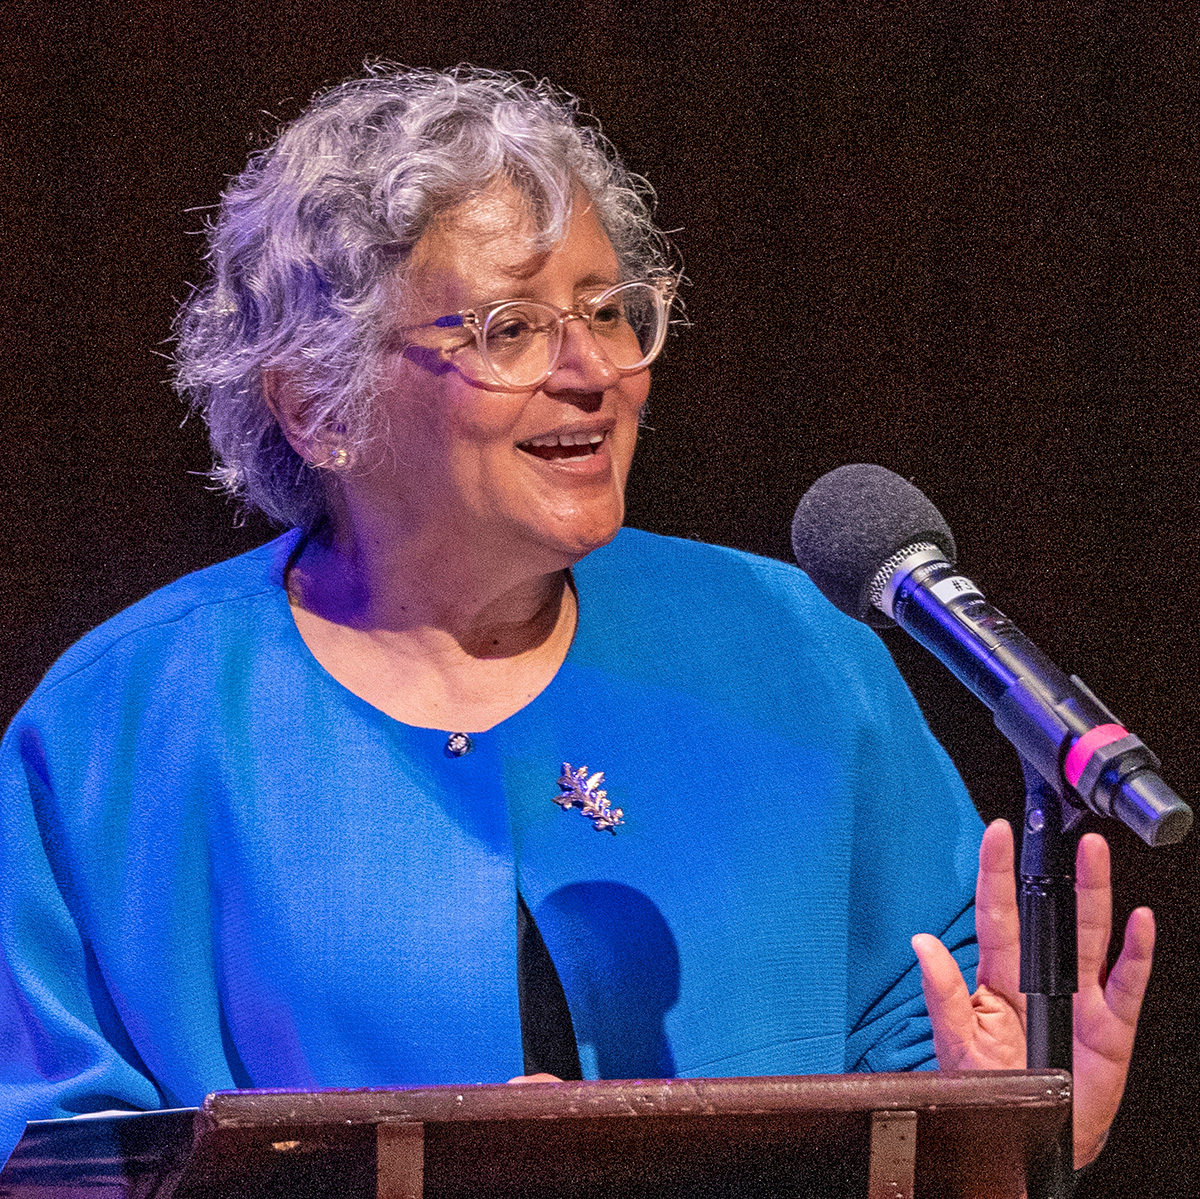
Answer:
[(877, 549)]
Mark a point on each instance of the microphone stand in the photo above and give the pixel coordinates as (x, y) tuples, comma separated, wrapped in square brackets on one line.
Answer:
[(1049, 956)]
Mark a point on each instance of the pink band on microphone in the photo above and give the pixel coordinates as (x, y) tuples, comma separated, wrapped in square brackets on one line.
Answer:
[(1081, 752)]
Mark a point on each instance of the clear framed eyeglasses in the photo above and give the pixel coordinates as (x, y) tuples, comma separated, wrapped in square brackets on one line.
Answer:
[(516, 343)]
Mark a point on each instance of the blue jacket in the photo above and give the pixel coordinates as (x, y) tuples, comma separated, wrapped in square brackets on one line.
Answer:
[(219, 868)]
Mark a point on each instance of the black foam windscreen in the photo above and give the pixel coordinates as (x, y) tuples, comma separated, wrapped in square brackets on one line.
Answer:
[(850, 522)]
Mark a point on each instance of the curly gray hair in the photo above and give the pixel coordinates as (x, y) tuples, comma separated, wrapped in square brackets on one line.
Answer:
[(311, 239)]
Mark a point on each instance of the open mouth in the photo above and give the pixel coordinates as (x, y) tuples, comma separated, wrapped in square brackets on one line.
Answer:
[(562, 447)]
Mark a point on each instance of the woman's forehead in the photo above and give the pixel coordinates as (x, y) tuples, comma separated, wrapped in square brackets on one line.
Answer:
[(487, 245), (492, 233)]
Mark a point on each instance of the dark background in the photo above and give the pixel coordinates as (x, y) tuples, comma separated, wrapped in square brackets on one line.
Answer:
[(959, 240)]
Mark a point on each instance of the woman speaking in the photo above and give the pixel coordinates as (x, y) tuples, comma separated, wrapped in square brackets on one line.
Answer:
[(456, 780)]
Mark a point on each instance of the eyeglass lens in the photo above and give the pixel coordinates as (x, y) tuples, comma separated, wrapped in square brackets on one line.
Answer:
[(522, 339)]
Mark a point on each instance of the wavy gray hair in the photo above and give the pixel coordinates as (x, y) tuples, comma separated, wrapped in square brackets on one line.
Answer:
[(311, 239)]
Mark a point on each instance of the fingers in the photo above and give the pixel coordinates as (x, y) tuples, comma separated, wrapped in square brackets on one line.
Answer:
[(1126, 986), (1106, 1020), (964, 1027), (1105, 1025), (534, 1078), (997, 925), (1106, 1010), (984, 1031), (1093, 901)]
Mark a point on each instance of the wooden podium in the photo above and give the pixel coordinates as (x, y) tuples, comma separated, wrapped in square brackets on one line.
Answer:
[(881, 1136)]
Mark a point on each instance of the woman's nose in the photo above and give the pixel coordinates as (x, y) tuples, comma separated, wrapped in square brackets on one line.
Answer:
[(582, 363)]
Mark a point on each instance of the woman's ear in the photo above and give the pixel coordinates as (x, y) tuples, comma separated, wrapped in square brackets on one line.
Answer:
[(289, 404)]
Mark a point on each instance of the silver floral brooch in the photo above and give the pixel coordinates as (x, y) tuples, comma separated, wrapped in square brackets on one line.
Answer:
[(579, 790)]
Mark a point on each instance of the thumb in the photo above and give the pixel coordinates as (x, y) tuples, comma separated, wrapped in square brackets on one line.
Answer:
[(946, 999)]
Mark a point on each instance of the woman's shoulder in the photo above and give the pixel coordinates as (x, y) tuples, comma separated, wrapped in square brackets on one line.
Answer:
[(714, 581), (635, 550), (695, 608), (171, 613)]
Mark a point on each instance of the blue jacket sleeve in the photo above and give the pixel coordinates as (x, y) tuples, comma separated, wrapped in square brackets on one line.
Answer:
[(62, 1048), (914, 861)]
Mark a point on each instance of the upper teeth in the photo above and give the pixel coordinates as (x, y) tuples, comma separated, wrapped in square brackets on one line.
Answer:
[(567, 439)]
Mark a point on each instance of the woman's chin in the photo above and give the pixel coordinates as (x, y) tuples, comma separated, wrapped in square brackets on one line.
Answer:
[(580, 534)]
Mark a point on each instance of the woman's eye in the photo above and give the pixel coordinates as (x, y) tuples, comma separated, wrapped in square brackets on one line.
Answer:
[(511, 328), (609, 314)]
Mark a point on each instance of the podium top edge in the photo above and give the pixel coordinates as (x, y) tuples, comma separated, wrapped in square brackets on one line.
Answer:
[(916, 1091)]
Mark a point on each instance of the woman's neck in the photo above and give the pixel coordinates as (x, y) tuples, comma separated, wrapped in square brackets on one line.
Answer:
[(428, 640)]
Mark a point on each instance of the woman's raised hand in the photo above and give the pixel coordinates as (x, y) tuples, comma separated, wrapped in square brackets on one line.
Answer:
[(986, 1030)]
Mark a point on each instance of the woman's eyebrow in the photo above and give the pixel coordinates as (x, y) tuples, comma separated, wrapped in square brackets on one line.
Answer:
[(604, 279)]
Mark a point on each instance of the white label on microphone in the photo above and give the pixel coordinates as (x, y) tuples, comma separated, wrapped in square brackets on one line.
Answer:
[(954, 587)]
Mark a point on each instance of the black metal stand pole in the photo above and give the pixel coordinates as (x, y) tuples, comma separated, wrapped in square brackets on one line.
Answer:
[(1049, 960)]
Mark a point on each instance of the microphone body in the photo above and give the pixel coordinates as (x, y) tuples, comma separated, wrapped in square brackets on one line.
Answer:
[(895, 557), (1053, 720)]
